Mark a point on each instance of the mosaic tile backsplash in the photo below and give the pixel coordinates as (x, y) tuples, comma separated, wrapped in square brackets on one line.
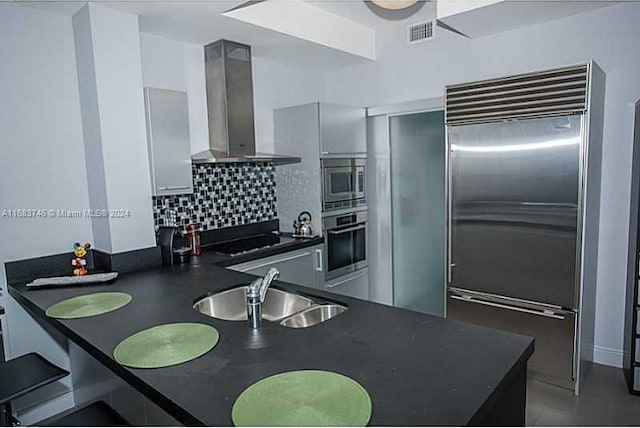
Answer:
[(224, 195)]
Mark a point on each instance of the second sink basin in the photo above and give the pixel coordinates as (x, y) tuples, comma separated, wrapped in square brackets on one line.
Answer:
[(231, 305), (313, 315)]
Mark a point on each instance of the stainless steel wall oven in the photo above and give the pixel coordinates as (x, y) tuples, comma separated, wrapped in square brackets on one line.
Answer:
[(345, 243)]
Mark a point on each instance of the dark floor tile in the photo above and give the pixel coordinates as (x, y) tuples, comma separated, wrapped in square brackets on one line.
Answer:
[(533, 414), (624, 410), (551, 396), (603, 380), (545, 420), (604, 401)]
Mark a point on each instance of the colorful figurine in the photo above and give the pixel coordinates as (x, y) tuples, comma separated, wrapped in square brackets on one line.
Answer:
[(78, 262)]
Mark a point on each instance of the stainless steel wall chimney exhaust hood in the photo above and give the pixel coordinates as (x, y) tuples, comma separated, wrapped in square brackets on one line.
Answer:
[(230, 106)]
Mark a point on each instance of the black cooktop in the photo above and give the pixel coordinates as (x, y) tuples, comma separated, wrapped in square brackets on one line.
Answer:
[(245, 245)]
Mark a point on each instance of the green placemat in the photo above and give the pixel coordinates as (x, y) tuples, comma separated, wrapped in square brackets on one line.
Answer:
[(303, 398), (166, 345), (88, 305)]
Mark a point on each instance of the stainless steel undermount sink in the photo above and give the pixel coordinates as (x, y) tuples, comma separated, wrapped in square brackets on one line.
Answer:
[(313, 315), (278, 305)]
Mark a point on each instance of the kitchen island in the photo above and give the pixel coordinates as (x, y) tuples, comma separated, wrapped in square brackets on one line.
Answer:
[(418, 369)]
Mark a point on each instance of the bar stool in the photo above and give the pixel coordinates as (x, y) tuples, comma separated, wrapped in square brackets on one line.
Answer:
[(97, 414), (29, 372), (21, 376)]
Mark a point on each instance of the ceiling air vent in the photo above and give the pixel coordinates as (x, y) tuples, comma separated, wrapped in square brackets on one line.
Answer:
[(420, 32)]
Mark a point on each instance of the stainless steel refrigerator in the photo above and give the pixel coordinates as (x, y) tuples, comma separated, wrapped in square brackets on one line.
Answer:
[(524, 167)]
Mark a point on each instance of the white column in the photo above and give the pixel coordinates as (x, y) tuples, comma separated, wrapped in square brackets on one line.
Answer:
[(107, 44)]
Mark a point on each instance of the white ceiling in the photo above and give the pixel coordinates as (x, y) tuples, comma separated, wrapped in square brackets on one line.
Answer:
[(201, 22), (306, 21), (510, 15), (357, 10), (67, 8)]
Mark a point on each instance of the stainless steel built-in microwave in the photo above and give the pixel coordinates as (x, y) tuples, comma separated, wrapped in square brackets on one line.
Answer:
[(343, 183)]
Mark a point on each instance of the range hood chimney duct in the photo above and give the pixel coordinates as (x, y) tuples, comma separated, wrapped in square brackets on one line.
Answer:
[(230, 106)]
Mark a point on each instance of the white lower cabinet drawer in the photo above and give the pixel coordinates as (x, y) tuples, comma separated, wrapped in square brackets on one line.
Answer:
[(354, 284)]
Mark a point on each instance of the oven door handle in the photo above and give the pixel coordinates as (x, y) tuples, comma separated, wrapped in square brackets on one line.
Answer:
[(350, 229)]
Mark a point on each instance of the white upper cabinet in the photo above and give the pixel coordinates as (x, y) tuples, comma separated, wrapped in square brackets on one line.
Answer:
[(342, 130), (167, 117)]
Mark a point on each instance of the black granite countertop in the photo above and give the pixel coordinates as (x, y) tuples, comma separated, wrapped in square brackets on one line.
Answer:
[(418, 369)]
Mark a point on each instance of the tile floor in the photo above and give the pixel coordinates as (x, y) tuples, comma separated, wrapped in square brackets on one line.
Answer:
[(604, 401)]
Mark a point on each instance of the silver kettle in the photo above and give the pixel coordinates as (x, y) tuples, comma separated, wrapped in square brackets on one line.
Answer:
[(302, 226)]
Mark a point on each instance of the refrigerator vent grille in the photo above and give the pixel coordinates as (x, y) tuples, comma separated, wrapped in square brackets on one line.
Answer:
[(547, 93)]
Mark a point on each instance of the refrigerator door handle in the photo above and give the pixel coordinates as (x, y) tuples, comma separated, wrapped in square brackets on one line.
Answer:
[(543, 313)]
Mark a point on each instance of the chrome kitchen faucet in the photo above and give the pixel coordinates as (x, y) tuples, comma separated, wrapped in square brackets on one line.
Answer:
[(256, 293)]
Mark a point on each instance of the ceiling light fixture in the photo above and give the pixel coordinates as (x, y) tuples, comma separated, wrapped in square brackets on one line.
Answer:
[(394, 10), (398, 10), (394, 4)]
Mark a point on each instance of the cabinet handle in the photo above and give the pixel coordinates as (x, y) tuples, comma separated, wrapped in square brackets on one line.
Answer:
[(448, 207), (343, 153), (174, 187), (470, 299), (319, 267)]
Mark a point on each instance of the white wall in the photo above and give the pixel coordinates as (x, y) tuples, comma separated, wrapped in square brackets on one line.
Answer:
[(178, 66), (610, 36), (163, 63), (42, 163), (197, 96), (276, 85), (170, 64), (94, 156)]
